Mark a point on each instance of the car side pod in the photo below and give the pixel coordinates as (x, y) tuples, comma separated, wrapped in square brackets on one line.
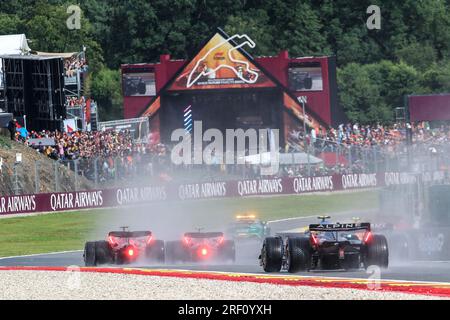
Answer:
[(271, 258)]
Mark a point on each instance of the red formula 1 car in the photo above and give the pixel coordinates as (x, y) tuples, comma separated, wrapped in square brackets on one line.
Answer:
[(201, 246), (122, 247)]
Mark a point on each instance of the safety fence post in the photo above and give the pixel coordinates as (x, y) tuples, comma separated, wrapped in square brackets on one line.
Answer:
[(56, 176), (75, 167), (37, 186), (96, 173)]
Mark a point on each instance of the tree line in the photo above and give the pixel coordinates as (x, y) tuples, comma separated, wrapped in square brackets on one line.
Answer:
[(410, 53)]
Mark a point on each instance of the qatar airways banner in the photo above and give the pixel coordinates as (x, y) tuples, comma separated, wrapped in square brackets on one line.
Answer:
[(53, 202)]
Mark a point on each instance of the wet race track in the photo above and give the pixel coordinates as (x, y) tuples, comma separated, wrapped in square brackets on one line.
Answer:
[(247, 262)]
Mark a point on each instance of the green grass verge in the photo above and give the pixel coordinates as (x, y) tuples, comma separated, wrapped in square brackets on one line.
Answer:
[(69, 231), (5, 142)]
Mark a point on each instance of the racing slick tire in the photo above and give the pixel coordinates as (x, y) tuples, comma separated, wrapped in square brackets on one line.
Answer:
[(89, 254), (377, 252), (298, 254), (156, 251), (272, 254), (228, 251), (103, 254)]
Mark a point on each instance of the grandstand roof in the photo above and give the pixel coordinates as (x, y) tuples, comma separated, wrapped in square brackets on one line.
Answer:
[(29, 57), (14, 44), (65, 55)]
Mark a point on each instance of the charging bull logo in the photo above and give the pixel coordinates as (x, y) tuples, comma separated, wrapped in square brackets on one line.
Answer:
[(222, 63), (241, 68)]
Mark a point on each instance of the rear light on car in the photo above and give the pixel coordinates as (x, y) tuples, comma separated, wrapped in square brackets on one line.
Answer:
[(367, 237), (149, 239), (221, 240), (203, 252), (112, 241), (131, 251), (313, 239), (187, 240)]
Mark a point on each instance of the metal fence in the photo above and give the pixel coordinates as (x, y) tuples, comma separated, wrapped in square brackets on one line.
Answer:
[(133, 170)]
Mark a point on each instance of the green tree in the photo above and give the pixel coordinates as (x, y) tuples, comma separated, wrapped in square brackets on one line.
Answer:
[(360, 96), (46, 27), (254, 23), (10, 24), (297, 28), (401, 80), (420, 56), (106, 90), (436, 79)]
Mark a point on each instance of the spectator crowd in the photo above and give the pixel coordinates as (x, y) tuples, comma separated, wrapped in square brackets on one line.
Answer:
[(72, 64), (75, 101), (352, 148)]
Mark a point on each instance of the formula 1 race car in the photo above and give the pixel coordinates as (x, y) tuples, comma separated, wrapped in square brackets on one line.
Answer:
[(325, 246), (300, 80), (248, 227), (124, 247), (201, 246)]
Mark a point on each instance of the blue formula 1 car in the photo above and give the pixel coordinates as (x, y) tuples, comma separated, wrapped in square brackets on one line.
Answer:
[(325, 246)]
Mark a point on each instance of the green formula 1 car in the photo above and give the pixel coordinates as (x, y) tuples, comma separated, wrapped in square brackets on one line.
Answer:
[(248, 227)]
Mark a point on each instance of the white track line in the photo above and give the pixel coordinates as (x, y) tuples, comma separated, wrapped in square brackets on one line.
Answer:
[(283, 275), (40, 254), (316, 215), (290, 219)]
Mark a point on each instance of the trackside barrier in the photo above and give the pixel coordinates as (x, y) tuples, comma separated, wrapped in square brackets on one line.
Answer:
[(117, 197)]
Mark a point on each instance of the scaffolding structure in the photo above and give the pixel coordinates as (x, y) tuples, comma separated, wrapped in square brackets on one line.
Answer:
[(34, 89)]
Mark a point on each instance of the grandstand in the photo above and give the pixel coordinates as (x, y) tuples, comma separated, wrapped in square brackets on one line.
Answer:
[(115, 156), (47, 88)]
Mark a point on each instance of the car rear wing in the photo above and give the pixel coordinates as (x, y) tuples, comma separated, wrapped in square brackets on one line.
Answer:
[(130, 234), (203, 235), (290, 234), (340, 227), (383, 226)]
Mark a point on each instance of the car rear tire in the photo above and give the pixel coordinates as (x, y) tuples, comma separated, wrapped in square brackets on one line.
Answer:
[(298, 254), (272, 254), (377, 252), (229, 251), (89, 254), (156, 251), (103, 254)]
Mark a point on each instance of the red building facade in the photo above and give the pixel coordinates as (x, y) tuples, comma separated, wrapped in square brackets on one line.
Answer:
[(222, 80)]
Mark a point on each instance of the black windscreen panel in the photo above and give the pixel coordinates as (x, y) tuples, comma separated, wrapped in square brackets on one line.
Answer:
[(232, 109), (34, 88), (337, 111)]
